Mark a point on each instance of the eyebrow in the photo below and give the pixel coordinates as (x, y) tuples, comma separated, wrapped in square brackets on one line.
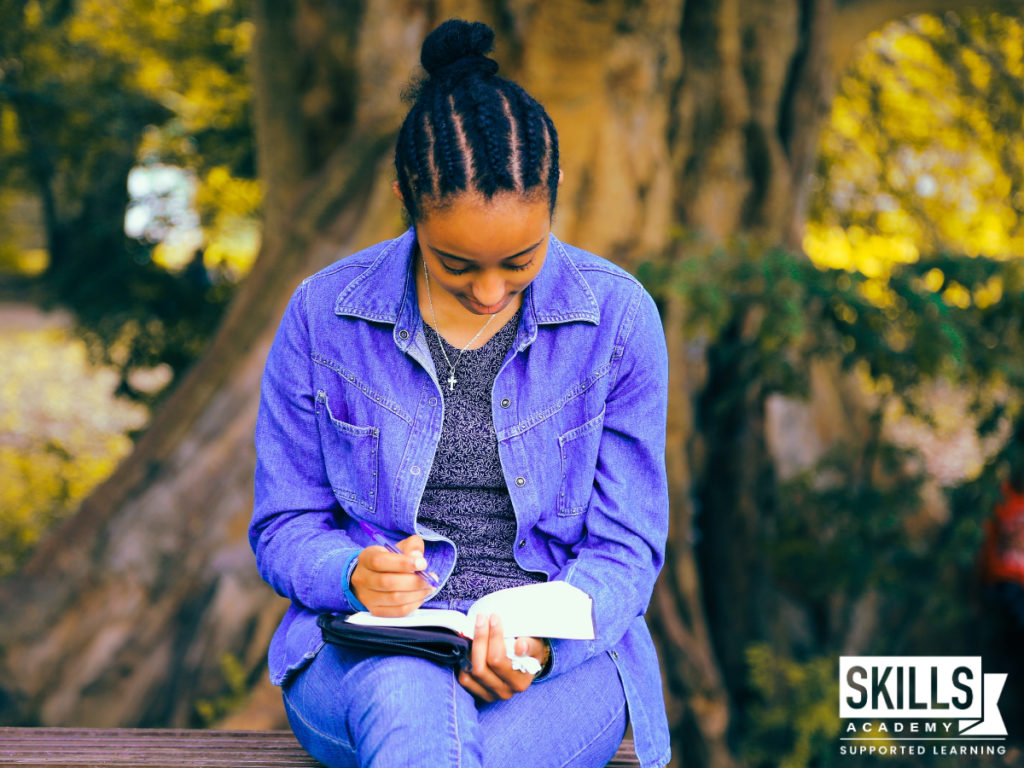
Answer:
[(452, 256)]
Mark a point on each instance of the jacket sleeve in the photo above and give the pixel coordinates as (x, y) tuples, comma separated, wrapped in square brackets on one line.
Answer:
[(627, 518), (300, 549)]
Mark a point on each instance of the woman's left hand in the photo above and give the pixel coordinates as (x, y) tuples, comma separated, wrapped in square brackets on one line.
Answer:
[(492, 676)]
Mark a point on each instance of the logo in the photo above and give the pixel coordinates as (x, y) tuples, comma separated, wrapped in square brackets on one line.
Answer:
[(903, 705)]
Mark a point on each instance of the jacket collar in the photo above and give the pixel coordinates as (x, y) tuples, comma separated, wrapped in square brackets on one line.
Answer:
[(386, 292)]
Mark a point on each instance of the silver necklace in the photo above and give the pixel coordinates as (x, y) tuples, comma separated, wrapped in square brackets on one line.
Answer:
[(451, 366)]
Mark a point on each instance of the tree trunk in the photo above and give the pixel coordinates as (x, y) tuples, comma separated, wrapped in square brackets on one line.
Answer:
[(703, 113)]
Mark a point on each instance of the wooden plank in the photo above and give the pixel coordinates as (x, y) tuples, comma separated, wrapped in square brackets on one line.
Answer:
[(150, 748), (166, 748), (624, 756)]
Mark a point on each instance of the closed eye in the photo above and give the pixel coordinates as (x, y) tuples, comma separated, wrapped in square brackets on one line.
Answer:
[(513, 267), (443, 255)]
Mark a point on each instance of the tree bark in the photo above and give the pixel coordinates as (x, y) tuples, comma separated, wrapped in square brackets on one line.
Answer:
[(703, 114)]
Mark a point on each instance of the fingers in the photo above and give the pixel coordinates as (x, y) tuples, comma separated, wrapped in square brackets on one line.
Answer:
[(379, 559), (386, 582), (411, 545), (479, 680), (492, 676)]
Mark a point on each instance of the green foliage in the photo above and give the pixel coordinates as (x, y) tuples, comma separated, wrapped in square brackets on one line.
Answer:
[(913, 279), (236, 684), (840, 528), (909, 328), (160, 318), (90, 89), (797, 723), (851, 528)]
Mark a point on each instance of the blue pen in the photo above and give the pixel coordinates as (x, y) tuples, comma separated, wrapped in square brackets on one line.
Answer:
[(379, 538)]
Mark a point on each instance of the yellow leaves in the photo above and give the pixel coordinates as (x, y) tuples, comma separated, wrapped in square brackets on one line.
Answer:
[(153, 75), (991, 236), (61, 433), (957, 296), (878, 293), (149, 38), (828, 247), (174, 254), (990, 293), (896, 222), (238, 37), (10, 138), (857, 249), (234, 247), (912, 49), (928, 25), (1011, 45), (232, 208), (933, 279), (923, 152), (844, 119), (979, 70), (983, 228), (32, 16), (188, 56)]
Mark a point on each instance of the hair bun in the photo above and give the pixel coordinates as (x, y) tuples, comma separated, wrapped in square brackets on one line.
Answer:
[(458, 47)]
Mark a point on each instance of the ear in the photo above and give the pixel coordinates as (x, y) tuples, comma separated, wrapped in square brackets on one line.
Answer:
[(561, 177), (398, 190)]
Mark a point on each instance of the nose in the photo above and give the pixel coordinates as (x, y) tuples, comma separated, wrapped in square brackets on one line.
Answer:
[(489, 289)]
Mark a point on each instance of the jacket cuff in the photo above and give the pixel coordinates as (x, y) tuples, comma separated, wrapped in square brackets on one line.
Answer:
[(328, 587), (350, 565)]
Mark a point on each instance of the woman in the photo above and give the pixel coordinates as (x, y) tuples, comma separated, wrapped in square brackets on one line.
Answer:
[(496, 400)]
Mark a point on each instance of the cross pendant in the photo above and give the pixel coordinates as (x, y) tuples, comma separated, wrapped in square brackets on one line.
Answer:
[(451, 381)]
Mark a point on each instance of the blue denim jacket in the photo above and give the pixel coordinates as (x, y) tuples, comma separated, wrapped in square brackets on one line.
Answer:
[(350, 417)]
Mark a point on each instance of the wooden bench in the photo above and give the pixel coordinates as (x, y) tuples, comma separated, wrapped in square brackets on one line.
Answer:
[(164, 748)]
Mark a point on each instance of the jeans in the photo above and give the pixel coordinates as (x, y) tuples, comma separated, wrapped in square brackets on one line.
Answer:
[(352, 708)]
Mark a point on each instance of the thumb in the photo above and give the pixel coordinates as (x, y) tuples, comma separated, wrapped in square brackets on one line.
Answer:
[(532, 646)]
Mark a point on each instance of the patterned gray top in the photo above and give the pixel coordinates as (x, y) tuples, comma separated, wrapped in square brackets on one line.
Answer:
[(466, 498)]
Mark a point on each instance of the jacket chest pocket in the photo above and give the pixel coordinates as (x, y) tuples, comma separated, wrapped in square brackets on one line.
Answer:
[(350, 457), (578, 450)]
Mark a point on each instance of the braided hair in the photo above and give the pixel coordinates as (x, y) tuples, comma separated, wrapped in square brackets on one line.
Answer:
[(469, 130)]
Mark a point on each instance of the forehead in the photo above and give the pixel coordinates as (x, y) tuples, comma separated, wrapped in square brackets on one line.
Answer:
[(475, 228)]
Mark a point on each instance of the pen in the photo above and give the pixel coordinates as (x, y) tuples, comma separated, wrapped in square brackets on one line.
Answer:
[(379, 538)]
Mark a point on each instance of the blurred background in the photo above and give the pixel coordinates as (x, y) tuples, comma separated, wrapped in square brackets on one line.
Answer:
[(825, 198)]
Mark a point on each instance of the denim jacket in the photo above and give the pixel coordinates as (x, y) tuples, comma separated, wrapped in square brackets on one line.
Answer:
[(350, 416)]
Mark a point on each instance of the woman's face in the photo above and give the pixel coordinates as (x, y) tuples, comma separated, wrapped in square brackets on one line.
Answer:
[(484, 252)]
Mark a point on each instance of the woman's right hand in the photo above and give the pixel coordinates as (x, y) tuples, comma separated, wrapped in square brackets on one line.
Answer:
[(386, 582)]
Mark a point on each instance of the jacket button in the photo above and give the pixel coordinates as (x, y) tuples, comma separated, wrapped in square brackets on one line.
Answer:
[(520, 481), (505, 402), (403, 334), (522, 543), (432, 401), (414, 469)]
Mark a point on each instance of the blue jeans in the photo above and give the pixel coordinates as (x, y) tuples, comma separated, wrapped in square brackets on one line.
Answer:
[(351, 708)]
